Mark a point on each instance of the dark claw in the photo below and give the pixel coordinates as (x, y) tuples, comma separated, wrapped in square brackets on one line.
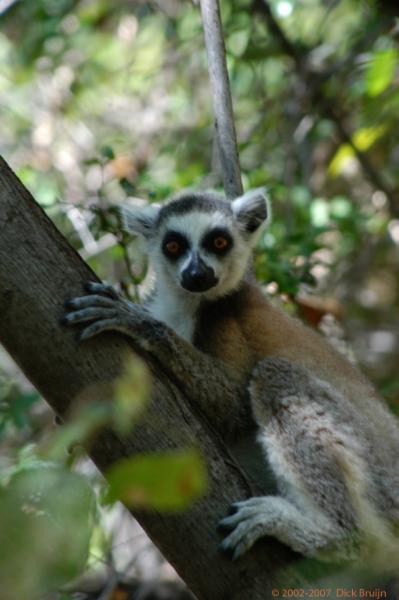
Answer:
[(221, 527), (236, 555), (233, 508), (89, 286), (93, 329), (68, 319), (224, 527), (226, 550), (101, 288)]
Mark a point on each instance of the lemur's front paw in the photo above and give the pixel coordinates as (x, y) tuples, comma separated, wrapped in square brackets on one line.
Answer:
[(247, 524), (105, 310)]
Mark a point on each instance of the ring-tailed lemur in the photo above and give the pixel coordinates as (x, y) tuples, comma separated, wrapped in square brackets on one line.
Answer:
[(329, 441)]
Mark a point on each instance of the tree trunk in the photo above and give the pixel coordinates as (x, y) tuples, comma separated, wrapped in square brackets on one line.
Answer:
[(39, 271)]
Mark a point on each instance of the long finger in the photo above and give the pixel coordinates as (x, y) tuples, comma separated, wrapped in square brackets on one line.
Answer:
[(85, 301), (102, 288), (87, 314)]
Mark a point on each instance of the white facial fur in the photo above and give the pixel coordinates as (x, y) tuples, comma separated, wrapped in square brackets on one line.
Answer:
[(228, 269), (172, 302)]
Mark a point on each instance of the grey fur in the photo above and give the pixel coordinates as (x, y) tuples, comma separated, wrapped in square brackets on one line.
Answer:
[(349, 473), (187, 202)]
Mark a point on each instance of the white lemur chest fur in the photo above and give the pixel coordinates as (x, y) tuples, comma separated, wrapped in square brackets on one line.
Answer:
[(176, 310)]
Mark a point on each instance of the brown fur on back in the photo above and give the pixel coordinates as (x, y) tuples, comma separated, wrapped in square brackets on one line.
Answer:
[(244, 328)]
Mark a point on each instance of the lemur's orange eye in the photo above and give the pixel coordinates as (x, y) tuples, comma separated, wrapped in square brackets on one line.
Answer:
[(173, 247), (220, 243)]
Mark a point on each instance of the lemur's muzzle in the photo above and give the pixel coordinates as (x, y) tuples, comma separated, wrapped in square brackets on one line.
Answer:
[(197, 276)]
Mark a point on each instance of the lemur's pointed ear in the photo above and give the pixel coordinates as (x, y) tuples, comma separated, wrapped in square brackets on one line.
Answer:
[(252, 209), (138, 219)]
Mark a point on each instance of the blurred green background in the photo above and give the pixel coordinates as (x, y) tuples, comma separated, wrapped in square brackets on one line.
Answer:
[(105, 101)]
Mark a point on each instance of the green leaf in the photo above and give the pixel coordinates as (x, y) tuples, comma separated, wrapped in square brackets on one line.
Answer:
[(380, 71), (320, 212), (237, 42), (85, 422), (341, 208), (127, 187), (107, 152), (46, 516), (132, 393), (168, 481), (363, 139), (20, 407)]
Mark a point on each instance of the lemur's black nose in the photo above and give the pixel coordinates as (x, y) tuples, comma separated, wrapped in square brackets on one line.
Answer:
[(197, 276)]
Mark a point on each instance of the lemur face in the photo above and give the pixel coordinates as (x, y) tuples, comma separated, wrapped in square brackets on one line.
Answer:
[(199, 241), (198, 249)]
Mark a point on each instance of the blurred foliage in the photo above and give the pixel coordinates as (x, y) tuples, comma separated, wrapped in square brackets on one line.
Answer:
[(14, 406), (37, 506), (48, 510), (167, 481), (103, 102)]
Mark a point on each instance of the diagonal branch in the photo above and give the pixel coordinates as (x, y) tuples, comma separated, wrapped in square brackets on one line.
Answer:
[(39, 270)]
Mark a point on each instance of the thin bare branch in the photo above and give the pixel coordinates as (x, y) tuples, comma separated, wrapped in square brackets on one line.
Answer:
[(222, 102)]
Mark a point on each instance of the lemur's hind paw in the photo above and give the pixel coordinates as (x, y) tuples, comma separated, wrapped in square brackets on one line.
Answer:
[(247, 524)]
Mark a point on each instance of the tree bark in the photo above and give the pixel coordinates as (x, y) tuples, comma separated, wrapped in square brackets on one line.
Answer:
[(39, 271)]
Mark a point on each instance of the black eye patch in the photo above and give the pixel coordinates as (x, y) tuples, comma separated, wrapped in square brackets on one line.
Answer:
[(174, 245), (218, 241)]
